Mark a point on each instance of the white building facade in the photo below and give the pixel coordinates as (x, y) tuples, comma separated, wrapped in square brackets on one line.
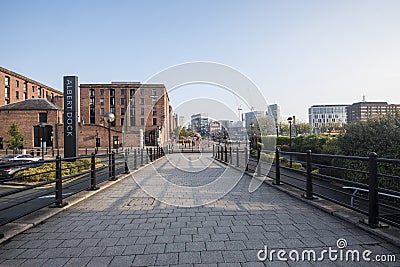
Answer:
[(323, 117)]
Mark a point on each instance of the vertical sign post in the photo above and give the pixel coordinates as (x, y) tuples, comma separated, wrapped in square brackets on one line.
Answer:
[(70, 116)]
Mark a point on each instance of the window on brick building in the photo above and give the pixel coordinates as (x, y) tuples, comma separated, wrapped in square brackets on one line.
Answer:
[(123, 91), (122, 111), (154, 111), (132, 93), (33, 88), (141, 91), (142, 101), (154, 100), (122, 121), (141, 111), (7, 81), (101, 91), (39, 92), (142, 121), (25, 95), (43, 117), (112, 101), (25, 86), (102, 101), (112, 92), (17, 83), (122, 101), (153, 92), (154, 121), (92, 92), (16, 94), (102, 111)]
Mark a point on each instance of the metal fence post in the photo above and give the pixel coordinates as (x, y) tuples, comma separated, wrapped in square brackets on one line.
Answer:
[(373, 210), (230, 154), (246, 158), (93, 185), (258, 162), (126, 162), (58, 194), (237, 157), (213, 151), (134, 159), (277, 167), (309, 185), (113, 166), (109, 165), (217, 155), (141, 157), (226, 153)]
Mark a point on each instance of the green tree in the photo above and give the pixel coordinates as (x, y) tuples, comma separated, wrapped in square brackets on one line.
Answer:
[(16, 140), (380, 135)]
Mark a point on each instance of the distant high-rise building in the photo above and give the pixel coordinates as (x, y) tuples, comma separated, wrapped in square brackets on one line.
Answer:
[(200, 123), (275, 111), (181, 120), (322, 117), (248, 117), (362, 111)]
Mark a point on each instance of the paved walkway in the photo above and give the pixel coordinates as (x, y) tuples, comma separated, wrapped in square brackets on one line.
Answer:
[(123, 226)]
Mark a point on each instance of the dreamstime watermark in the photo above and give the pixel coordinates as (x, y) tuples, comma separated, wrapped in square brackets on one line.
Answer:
[(338, 253)]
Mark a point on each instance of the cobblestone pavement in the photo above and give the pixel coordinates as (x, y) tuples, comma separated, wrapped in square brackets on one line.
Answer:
[(123, 226)]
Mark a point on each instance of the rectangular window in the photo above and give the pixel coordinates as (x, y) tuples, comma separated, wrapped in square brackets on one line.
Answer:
[(33, 88), (141, 111), (17, 83), (123, 91), (102, 101), (25, 86), (43, 117), (122, 121), (39, 92), (102, 111), (92, 102), (132, 93), (122, 111), (154, 100), (154, 121), (153, 92), (112, 110), (141, 91), (142, 121), (17, 95), (52, 96), (25, 95), (7, 81), (91, 92), (122, 101), (142, 101), (112, 92), (112, 101), (154, 111), (92, 119), (101, 91)]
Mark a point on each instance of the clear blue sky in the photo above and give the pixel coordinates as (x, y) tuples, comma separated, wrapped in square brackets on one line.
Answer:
[(299, 53)]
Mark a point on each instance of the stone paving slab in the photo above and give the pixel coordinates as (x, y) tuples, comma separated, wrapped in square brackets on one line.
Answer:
[(105, 230)]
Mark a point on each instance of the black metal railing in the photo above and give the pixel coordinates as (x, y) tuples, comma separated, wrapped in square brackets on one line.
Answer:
[(26, 187), (369, 185)]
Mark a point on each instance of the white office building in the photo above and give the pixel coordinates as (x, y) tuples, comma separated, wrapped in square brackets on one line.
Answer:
[(323, 117)]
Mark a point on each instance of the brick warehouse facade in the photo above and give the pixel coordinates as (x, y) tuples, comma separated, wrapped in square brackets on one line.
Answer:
[(40, 101), (15, 87), (136, 106)]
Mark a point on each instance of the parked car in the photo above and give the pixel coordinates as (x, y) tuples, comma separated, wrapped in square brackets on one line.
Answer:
[(19, 158), (17, 162)]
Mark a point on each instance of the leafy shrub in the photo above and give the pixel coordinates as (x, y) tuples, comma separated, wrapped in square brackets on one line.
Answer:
[(46, 172)]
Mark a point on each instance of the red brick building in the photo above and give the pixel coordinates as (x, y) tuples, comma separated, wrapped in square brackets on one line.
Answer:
[(15, 87), (136, 106)]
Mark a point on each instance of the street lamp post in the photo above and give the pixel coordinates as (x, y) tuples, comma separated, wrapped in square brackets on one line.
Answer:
[(42, 125), (97, 142), (290, 138), (109, 117)]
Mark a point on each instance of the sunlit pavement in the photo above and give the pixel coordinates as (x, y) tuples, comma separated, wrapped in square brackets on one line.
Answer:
[(123, 226)]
